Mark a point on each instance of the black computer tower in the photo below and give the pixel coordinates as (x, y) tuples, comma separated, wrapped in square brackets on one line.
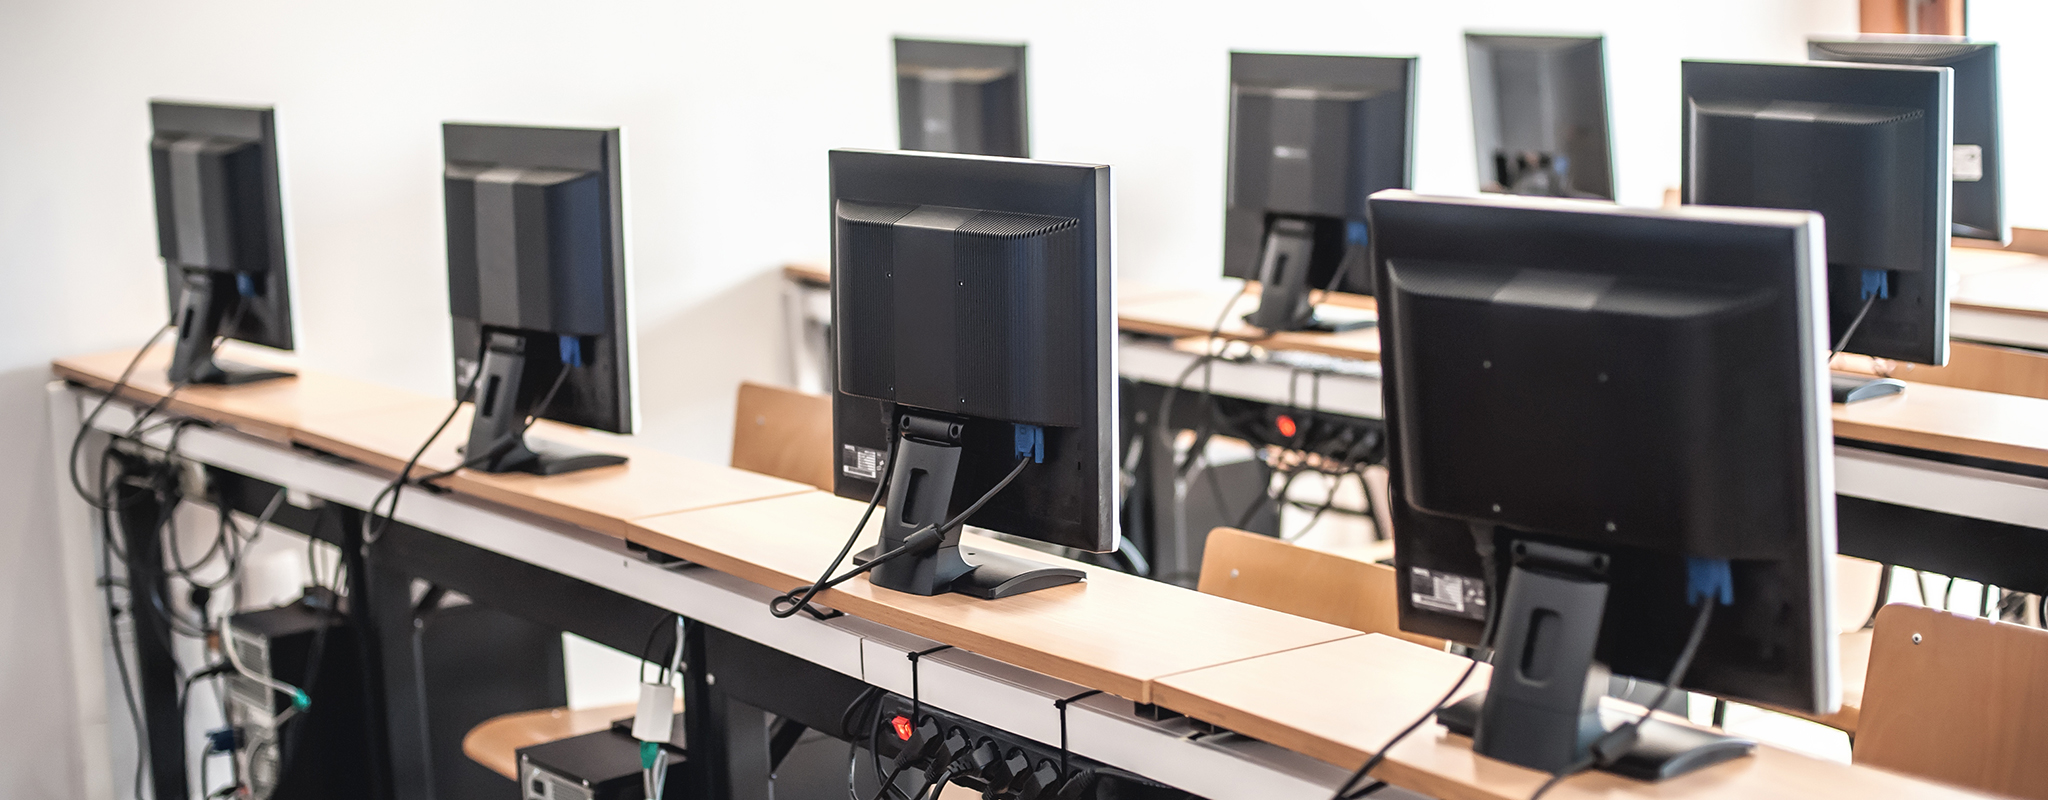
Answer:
[(322, 751)]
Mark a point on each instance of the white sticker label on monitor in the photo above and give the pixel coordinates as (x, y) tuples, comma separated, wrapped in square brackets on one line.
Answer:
[(1448, 593), (860, 462), (1966, 162)]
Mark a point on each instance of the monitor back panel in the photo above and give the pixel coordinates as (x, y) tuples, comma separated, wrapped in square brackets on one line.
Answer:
[(248, 214), (536, 247), (941, 320)]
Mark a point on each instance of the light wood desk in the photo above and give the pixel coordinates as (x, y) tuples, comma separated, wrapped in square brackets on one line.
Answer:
[(1194, 312), (495, 742), (605, 499), (1371, 686), (1946, 419), (2011, 281), (812, 274), (270, 409), (1113, 632), (1145, 641), (2001, 296), (1943, 419), (381, 427)]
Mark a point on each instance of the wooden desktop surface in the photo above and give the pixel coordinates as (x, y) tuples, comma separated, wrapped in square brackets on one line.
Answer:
[(604, 499), (381, 427), (1369, 687), (1197, 312), (270, 409), (813, 274), (1259, 672), (1113, 632), (2007, 281), (1944, 419)]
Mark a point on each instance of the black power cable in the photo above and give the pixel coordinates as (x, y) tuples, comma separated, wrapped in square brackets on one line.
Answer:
[(795, 604), (504, 443), (1482, 541), (920, 541), (85, 426), (377, 521), (1843, 343), (1614, 744), (1347, 790)]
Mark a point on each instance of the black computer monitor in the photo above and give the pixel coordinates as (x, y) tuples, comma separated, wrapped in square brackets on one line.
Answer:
[(961, 97), (1976, 166), (1311, 136), (537, 288), (1867, 146), (971, 302), (220, 230), (1539, 114), (1597, 415)]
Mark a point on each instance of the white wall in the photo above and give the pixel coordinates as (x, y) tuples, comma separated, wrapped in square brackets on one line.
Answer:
[(727, 108), (2020, 27)]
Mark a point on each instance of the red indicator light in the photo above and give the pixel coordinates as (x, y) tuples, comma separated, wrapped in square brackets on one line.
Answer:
[(1285, 424), (902, 726)]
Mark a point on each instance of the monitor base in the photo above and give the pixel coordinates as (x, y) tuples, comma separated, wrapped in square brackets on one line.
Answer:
[(1542, 706), (992, 576), (1317, 323), (1663, 749), (199, 324), (497, 431), (229, 373), (922, 474), (1850, 388), (542, 457)]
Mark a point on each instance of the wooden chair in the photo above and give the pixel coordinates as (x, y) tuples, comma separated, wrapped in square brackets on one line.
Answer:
[(1270, 573), (1957, 699), (784, 433), (495, 742)]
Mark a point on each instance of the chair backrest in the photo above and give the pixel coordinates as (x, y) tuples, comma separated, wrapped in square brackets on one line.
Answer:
[(1957, 699), (1270, 573), (784, 433)]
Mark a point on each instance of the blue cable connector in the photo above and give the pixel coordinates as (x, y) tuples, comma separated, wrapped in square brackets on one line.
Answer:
[(1030, 442), (572, 351), (1709, 578)]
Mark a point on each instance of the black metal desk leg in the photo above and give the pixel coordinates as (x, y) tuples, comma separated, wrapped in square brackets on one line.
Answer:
[(156, 669), (393, 638)]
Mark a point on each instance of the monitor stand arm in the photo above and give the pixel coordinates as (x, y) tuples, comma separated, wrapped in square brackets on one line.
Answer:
[(497, 439), (1284, 263), (1542, 708), (192, 361), (927, 464)]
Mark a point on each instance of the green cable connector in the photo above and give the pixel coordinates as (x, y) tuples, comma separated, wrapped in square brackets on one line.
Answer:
[(300, 701), (648, 750)]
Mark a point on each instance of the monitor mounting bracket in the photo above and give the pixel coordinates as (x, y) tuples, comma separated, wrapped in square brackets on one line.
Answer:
[(1542, 707), (199, 323), (927, 465), (497, 431)]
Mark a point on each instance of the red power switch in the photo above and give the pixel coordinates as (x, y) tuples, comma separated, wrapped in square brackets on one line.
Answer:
[(1286, 425), (902, 726)]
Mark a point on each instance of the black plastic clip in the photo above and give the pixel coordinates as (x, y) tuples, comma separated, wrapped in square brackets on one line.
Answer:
[(1061, 705), (916, 703)]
